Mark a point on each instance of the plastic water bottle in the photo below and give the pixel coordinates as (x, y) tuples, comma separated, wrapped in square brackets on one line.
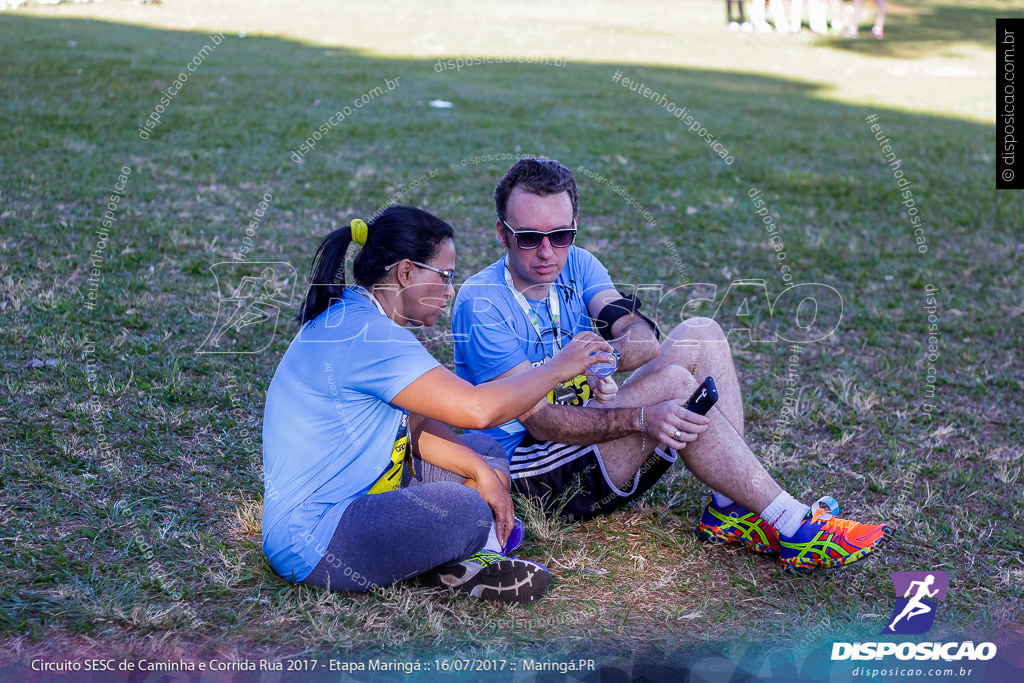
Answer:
[(605, 367)]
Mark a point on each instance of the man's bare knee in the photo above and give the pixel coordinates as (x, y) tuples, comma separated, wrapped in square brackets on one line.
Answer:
[(656, 385), (672, 381), (677, 376), (694, 330)]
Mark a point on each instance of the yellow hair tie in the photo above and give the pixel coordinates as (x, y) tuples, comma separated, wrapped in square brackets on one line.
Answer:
[(359, 231)]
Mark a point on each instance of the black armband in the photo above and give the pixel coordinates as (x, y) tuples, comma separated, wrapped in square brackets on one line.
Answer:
[(616, 309)]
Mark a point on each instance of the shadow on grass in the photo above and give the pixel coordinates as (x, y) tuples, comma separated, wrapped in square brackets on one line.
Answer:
[(76, 93)]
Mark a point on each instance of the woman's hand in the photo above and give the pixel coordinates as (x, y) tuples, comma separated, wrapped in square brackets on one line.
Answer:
[(604, 388), (495, 493), (575, 357)]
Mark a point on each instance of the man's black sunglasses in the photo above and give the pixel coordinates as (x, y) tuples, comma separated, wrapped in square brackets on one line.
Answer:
[(531, 239)]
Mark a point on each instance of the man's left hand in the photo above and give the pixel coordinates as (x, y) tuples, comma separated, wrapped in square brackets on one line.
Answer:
[(603, 388)]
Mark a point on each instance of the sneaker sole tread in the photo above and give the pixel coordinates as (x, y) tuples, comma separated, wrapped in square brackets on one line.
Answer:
[(511, 580)]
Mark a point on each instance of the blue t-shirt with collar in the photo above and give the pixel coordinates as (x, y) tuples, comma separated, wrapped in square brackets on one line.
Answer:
[(329, 427), (492, 334)]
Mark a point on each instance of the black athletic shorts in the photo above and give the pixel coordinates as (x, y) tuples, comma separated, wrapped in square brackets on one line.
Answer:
[(547, 470)]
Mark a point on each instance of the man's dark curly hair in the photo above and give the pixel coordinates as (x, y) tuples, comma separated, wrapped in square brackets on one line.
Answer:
[(537, 176)]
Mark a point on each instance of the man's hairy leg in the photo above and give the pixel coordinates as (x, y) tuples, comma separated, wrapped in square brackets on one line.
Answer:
[(623, 457), (719, 457), (700, 346)]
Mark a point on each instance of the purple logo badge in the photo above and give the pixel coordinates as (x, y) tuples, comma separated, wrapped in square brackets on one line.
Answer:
[(917, 594)]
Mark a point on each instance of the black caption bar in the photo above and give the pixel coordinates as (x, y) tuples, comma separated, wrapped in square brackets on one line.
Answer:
[(1009, 117)]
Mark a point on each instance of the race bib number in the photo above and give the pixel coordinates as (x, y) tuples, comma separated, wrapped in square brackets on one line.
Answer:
[(575, 392), (391, 478)]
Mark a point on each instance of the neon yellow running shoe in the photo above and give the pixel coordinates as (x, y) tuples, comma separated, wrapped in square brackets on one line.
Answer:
[(736, 524), (827, 541)]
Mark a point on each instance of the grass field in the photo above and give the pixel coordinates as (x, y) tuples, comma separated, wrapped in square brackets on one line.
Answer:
[(130, 464)]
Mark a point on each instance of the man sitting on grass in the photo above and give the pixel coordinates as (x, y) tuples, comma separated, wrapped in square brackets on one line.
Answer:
[(516, 313)]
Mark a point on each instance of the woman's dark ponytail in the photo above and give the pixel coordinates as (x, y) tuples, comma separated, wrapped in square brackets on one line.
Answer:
[(326, 275), (397, 233)]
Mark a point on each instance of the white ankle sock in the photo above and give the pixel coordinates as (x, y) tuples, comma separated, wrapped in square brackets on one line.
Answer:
[(785, 514), (493, 544), (721, 500)]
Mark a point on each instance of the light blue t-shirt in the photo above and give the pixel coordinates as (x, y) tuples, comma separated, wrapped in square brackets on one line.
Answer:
[(329, 428), (492, 334)]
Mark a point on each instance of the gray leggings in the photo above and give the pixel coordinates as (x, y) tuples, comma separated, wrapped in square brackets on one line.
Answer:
[(432, 520)]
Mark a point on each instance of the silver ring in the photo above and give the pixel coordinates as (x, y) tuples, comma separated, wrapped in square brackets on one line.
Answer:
[(677, 434)]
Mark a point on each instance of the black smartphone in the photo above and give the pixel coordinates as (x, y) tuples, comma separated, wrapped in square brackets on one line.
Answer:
[(705, 397)]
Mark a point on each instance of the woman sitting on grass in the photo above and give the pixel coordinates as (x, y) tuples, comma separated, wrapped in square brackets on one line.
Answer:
[(365, 483)]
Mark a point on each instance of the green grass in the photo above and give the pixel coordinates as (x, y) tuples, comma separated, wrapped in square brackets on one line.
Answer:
[(152, 545)]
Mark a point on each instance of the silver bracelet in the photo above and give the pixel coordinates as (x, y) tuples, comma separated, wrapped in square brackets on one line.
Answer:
[(643, 438)]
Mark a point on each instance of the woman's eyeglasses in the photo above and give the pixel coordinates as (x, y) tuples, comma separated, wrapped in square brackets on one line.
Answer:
[(531, 239), (446, 275)]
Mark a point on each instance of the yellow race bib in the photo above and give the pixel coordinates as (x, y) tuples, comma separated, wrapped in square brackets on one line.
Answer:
[(391, 478), (575, 392)]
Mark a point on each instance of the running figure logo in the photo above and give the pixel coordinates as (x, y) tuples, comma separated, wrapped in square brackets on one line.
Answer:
[(914, 613), (250, 298)]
